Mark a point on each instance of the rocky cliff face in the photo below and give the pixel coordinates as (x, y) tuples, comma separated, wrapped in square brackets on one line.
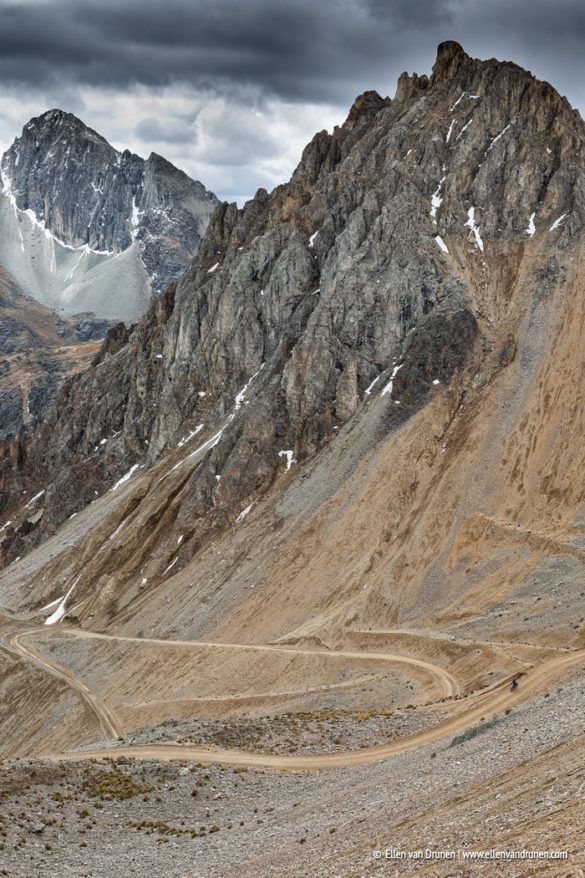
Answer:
[(38, 350), (72, 203), (404, 254)]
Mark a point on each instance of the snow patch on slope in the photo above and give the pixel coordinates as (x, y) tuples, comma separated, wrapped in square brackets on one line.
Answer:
[(72, 280), (471, 224), (388, 387), (290, 459), (457, 102), (241, 396), (437, 199), (464, 129), (188, 438), (243, 513), (135, 219), (371, 386), (126, 477), (498, 136), (60, 611), (558, 221)]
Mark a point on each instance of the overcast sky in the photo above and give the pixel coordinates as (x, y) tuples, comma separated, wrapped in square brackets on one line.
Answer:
[(231, 90)]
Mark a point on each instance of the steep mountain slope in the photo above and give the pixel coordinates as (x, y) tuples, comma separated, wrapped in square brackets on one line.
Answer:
[(84, 227), (38, 350), (331, 487), (386, 350)]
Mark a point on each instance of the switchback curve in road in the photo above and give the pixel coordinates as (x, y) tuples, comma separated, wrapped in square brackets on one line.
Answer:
[(448, 682), (480, 707), (106, 717)]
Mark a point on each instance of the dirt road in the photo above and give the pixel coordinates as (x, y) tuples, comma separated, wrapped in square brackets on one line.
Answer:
[(448, 682), (485, 704), (106, 717)]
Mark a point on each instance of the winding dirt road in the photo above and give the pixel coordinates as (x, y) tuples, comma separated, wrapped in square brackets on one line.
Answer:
[(106, 717), (486, 703), (447, 681)]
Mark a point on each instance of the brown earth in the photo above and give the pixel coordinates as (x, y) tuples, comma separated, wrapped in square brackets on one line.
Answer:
[(421, 553)]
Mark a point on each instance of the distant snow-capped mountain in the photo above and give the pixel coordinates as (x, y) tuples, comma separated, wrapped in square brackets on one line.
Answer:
[(85, 228)]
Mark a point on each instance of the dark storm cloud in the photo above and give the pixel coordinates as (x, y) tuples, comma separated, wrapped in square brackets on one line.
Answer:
[(299, 50), (287, 49), (231, 90)]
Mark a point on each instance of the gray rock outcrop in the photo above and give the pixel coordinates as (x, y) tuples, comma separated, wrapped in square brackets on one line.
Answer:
[(71, 204), (365, 273)]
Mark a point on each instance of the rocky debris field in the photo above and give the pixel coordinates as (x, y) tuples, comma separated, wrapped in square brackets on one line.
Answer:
[(38, 351), (511, 783), (303, 733)]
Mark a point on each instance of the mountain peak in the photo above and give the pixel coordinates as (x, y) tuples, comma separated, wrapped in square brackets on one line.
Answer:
[(450, 57), (57, 121), (367, 104), (76, 190), (55, 116)]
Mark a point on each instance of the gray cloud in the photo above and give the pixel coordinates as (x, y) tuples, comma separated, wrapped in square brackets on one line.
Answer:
[(252, 76), (298, 50), (165, 131)]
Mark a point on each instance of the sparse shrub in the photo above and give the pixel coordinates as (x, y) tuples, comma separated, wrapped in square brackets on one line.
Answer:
[(112, 785)]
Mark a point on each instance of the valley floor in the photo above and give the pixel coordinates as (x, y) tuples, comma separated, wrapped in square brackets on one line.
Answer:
[(330, 793), (514, 783)]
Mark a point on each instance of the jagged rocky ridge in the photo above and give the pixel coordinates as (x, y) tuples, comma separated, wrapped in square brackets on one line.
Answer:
[(87, 228), (369, 266)]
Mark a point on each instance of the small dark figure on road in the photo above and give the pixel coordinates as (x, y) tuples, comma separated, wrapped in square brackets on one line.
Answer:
[(514, 684)]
